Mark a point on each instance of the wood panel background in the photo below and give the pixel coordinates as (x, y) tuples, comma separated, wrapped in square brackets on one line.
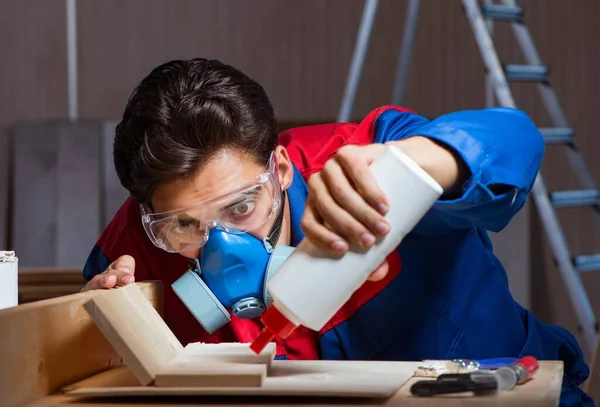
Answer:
[(300, 51)]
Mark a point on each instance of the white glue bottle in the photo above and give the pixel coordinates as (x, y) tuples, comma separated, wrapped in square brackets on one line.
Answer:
[(313, 284)]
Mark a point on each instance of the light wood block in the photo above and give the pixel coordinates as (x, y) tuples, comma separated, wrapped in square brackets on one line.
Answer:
[(222, 365), (135, 329)]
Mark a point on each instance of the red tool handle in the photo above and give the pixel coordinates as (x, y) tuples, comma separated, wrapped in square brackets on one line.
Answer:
[(530, 365)]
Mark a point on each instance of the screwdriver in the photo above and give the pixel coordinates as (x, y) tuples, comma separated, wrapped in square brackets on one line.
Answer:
[(518, 373)]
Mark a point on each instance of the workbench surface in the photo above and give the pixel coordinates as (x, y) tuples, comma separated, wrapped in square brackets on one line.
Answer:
[(543, 390)]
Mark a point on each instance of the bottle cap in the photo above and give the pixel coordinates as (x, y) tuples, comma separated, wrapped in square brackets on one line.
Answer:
[(276, 324)]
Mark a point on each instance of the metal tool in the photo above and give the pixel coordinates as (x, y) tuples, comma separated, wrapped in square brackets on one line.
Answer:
[(484, 364), (518, 373), (478, 383)]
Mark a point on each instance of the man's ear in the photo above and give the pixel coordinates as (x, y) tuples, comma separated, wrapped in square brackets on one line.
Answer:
[(284, 167)]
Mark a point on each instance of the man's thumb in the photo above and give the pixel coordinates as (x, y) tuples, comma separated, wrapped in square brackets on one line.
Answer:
[(124, 264)]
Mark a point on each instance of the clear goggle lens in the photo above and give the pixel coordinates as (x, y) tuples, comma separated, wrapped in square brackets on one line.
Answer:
[(240, 211)]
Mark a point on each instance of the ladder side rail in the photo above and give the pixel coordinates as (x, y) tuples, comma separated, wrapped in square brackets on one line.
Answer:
[(489, 86), (404, 56), (358, 60)]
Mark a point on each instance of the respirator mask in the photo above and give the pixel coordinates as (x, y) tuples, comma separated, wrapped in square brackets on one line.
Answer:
[(234, 265)]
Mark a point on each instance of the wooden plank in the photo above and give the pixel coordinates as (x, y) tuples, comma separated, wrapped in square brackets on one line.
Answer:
[(221, 365), (6, 163), (51, 289), (57, 164), (542, 391), (49, 344), (34, 195), (46, 275), (135, 330), (297, 378), (78, 192), (113, 193), (33, 72), (42, 283)]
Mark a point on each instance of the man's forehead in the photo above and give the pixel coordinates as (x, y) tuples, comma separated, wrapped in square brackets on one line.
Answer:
[(219, 176)]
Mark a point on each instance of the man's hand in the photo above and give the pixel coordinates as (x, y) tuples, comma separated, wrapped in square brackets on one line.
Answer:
[(119, 273), (345, 204)]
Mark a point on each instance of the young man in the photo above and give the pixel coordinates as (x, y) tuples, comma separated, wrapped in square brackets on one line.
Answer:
[(214, 188)]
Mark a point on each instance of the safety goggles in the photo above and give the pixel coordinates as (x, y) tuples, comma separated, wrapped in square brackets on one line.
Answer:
[(241, 210)]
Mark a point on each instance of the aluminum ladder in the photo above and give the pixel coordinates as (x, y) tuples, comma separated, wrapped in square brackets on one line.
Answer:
[(480, 15)]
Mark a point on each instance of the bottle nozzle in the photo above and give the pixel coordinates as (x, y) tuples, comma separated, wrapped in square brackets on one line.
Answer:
[(276, 324), (261, 341)]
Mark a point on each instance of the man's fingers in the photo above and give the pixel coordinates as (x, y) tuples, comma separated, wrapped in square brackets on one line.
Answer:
[(100, 281), (107, 281), (356, 167), (337, 217), (123, 269), (124, 264), (318, 233), (380, 272), (346, 196), (119, 273)]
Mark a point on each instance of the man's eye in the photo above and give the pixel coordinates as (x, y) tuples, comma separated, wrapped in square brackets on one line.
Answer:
[(243, 208), (185, 225)]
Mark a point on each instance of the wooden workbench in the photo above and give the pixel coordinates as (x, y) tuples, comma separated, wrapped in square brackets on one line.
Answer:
[(543, 391), (50, 344)]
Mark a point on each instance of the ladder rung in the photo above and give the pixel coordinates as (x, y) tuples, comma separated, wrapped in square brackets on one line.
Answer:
[(589, 262), (499, 12), (570, 199), (557, 135), (526, 73)]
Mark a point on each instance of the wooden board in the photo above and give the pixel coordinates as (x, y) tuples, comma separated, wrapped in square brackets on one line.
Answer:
[(286, 378), (77, 192), (47, 345), (42, 283), (543, 391), (221, 365), (56, 197), (135, 329), (6, 163), (113, 194), (35, 179)]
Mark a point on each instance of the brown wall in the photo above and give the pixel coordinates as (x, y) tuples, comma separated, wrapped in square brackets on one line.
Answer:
[(300, 50)]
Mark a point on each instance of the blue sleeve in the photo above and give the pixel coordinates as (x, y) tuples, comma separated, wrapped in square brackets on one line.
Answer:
[(97, 262), (502, 149)]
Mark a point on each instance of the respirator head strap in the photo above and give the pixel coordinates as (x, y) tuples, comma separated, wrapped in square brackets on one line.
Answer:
[(271, 240), (194, 265)]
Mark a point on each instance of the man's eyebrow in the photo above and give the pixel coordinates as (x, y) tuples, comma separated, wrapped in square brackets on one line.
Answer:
[(184, 217), (242, 196)]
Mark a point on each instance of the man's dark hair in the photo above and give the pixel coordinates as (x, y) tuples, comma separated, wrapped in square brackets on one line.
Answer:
[(183, 113)]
